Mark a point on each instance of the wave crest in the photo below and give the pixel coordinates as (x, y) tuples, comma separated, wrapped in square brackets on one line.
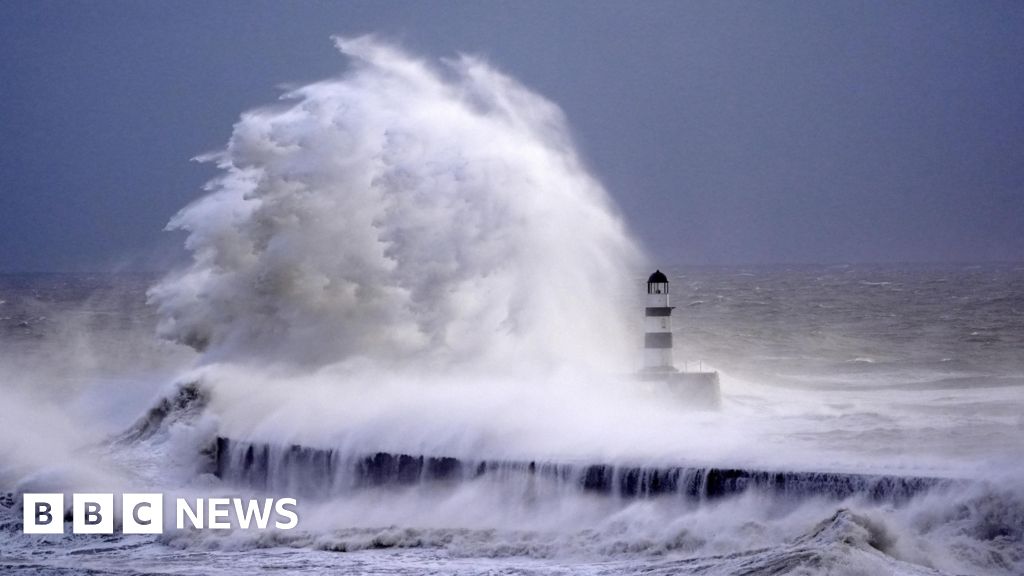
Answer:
[(403, 213)]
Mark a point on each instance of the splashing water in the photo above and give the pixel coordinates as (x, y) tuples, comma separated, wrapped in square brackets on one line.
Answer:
[(403, 215)]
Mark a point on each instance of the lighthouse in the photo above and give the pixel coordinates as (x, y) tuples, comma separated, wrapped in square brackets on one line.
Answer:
[(700, 389), (658, 326)]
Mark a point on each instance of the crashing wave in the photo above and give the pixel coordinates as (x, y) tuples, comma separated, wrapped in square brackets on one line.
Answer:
[(186, 403)]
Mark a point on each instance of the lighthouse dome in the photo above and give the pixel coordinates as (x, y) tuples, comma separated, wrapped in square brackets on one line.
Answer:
[(657, 278)]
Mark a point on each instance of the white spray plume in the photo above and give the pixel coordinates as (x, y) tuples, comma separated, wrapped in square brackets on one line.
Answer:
[(404, 214)]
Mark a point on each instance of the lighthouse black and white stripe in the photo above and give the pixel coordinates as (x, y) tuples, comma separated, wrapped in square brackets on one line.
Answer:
[(658, 326)]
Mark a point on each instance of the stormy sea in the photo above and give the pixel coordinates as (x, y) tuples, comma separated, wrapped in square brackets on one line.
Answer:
[(889, 371), (410, 305)]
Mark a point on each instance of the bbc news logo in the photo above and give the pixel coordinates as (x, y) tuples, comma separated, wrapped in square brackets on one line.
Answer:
[(144, 513)]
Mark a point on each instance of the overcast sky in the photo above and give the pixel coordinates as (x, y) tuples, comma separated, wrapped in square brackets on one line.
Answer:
[(750, 132)]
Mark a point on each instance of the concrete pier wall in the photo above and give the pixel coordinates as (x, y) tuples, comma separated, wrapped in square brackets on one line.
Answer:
[(319, 472)]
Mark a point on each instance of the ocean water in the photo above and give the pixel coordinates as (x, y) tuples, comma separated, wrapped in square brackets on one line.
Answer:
[(895, 371)]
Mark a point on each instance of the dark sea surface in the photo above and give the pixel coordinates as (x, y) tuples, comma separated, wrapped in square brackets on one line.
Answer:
[(913, 326)]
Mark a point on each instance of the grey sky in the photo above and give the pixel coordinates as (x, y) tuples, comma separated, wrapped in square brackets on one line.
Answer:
[(749, 132)]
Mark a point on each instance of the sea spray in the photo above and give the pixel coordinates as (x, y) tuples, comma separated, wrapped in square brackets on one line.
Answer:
[(404, 214)]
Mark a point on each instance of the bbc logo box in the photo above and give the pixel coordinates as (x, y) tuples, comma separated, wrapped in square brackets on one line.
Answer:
[(92, 513), (43, 513)]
